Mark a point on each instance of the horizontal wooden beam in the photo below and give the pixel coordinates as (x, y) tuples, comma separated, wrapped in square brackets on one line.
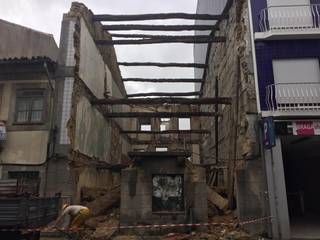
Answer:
[(141, 27), (143, 17), (167, 80), (158, 64), (151, 36), (164, 142), (158, 41), (160, 94), (159, 114), (167, 132), (163, 100)]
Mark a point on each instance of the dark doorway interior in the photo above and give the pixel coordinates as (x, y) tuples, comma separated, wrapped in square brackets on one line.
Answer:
[(301, 157)]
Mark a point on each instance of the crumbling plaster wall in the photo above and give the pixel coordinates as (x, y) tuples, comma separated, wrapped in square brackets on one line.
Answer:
[(93, 138), (231, 62)]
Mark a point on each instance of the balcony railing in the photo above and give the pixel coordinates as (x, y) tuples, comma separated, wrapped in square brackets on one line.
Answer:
[(290, 18), (293, 97)]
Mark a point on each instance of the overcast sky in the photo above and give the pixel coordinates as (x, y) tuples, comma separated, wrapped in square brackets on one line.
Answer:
[(46, 16)]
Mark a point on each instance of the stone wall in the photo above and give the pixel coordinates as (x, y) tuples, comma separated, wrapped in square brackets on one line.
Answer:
[(137, 191), (239, 156)]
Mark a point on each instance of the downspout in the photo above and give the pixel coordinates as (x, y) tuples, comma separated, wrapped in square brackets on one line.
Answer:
[(52, 129), (254, 57)]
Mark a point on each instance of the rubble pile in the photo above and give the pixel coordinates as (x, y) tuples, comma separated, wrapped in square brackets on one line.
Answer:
[(102, 226)]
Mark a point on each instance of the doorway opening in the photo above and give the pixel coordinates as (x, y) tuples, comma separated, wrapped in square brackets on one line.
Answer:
[(301, 159)]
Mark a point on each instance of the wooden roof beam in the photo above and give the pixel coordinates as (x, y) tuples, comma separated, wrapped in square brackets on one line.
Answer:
[(164, 142), (163, 100), (158, 41), (163, 94), (155, 16), (151, 36), (158, 64), (166, 80), (142, 27), (159, 114), (167, 132)]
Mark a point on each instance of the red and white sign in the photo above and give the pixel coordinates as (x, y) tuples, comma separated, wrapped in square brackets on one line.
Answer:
[(306, 128)]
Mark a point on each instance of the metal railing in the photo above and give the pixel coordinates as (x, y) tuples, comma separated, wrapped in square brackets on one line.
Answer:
[(290, 18), (293, 97)]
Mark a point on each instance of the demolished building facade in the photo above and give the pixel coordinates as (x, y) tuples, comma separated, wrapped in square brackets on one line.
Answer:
[(267, 65), (262, 145)]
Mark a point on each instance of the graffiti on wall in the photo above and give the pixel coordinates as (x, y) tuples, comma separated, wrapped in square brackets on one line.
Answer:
[(167, 193)]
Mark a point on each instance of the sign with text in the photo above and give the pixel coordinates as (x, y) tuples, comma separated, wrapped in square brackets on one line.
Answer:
[(269, 135), (306, 128)]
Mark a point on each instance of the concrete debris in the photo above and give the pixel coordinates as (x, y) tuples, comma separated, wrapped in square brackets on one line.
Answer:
[(216, 199), (102, 231), (105, 202), (89, 194), (125, 237)]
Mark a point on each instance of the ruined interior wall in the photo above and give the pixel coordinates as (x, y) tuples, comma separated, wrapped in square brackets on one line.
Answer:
[(93, 132), (137, 191), (91, 67), (231, 63), (93, 138), (91, 82), (174, 142)]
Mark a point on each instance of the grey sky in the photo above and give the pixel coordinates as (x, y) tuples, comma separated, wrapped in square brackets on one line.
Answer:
[(46, 16)]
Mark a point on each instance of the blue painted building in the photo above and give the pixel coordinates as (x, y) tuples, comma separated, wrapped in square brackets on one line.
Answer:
[(286, 36)]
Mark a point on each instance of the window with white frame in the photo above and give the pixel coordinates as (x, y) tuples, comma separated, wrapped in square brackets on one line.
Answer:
[(30, 106)]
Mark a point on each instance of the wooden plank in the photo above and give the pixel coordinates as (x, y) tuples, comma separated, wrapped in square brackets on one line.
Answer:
[(158, 64), (167, 132), (159, 94), (142, 27), (152, 36), (159, 114), (159, 41), (143, 17), (164, 142), (216, 199), (163, 100), (167, 80)]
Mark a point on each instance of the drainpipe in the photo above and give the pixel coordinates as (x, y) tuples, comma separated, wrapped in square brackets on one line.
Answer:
[(254, 57), (52, 129)]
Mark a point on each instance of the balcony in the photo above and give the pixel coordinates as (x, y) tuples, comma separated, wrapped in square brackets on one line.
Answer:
[(293, 98), (289, 22)]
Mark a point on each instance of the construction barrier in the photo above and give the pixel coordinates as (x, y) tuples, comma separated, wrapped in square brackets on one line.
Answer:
[(52, 230)]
